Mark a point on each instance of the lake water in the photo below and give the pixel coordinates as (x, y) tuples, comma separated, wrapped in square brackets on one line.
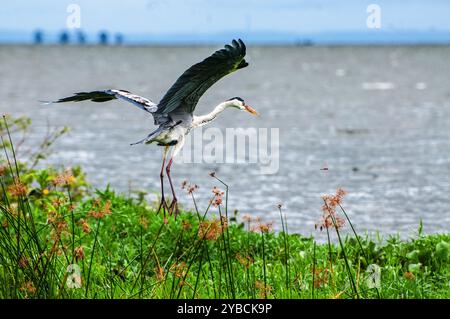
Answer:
[(377, 117)]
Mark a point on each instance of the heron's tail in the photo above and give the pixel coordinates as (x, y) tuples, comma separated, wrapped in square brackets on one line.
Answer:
[(148, 138), (139, 142)]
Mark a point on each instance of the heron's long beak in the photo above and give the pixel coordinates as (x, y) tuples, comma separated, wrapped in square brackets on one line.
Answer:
[(251, 110)]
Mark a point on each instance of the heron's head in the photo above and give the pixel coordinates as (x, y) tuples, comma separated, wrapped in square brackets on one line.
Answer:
[(239, 103)]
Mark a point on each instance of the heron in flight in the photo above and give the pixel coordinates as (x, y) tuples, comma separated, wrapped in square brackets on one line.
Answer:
[(174, 113)]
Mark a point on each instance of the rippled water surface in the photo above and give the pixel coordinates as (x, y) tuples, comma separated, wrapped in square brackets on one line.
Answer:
[(377, 117)]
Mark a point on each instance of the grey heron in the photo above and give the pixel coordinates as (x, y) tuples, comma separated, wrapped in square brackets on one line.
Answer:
[(174, 113)]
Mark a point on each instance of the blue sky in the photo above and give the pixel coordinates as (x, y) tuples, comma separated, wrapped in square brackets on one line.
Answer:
[(158, 17), (200, 16)]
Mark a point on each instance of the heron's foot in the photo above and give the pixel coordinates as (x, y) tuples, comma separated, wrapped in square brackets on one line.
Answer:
[(173, 208), (163, 206)]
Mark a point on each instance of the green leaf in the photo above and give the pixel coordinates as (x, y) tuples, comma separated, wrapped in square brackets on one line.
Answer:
[(443, 251), (413, 255), (414, 268)]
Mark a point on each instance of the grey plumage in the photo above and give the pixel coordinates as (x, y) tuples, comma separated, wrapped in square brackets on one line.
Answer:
[(194, 82), (178, 104), (174, 113)]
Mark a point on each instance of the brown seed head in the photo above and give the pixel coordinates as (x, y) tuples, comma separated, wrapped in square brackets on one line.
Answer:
[(408, 275), (245, 261), (98, 211), (264, 290), (217, 192), (79, 253), (85, 226), (216, 201), (210, 230), (3, 169), (143, 221), (262, 227), (159, 271), (192, 188), (23, 262), (28, 288), (64, 179), (186, 225), (17, 188)]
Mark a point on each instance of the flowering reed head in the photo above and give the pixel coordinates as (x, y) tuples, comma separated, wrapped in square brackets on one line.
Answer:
[(17, 188), (3, 169), (211, 230), (329, 216), (217, 192), (100, 211), (217, 199), (190, 188), (263, 290), (408, 275), (64, 179), (326, 221), (159, 271), (262, 227), (85, 226), (186, 225), (178, 269), (321, 277), (58, 202), (245, 261), (28, 288), (143, 221), (332, 201), (59, 225), (79, 253), (23, 262)]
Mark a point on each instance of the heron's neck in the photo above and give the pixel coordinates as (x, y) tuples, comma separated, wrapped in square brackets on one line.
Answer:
[(211, 116)]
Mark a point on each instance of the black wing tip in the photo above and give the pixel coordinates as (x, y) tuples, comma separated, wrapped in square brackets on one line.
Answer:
[(94, 96), (242, 65), (237, 45)]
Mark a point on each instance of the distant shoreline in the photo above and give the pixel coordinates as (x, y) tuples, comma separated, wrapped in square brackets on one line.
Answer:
[(327, 38)]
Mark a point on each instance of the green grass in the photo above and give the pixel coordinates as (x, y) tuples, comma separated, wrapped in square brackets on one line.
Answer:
[(51, 225), (134, 253)]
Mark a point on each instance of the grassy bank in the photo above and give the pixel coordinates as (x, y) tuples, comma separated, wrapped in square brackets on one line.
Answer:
[(58, 239)]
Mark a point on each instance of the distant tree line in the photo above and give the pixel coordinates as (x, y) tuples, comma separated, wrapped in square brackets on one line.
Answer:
[(79, 37)]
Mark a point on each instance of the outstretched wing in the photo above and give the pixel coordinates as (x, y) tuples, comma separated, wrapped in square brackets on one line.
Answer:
[(107, 95), (191, 85)]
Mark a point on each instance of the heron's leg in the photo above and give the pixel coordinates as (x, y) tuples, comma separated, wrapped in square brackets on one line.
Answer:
[(173, 206), (163, 203)]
